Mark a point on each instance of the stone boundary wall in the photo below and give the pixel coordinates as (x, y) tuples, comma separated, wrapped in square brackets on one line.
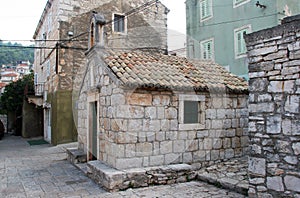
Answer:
[(115, 180), (274, 111)]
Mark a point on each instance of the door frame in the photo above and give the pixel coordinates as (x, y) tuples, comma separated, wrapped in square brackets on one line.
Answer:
[(92, 98)]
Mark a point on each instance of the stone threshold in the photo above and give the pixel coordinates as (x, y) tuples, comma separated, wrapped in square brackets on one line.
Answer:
[(113, 180)]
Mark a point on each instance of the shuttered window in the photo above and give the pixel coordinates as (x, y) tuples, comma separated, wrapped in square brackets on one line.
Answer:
[(207, 49), (205, 9), (240, 45)]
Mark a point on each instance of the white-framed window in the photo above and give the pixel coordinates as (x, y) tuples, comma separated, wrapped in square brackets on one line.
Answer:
[(119, 23), (191, 112), (207, 49), (239, 42), (237, 3), (205, 9)]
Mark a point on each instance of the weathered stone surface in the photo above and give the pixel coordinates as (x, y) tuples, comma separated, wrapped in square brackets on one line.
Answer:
[(292, 183), (140, 99), (296, 148), (275, 183), (257, 166)]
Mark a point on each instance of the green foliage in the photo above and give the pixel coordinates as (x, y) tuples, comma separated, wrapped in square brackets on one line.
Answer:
[(13, 96), (14, 53)]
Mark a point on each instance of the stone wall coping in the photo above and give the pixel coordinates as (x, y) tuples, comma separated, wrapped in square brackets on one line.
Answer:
[(290, 25)]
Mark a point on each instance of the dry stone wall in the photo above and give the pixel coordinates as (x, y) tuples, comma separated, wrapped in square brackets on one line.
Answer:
[(274, 111)]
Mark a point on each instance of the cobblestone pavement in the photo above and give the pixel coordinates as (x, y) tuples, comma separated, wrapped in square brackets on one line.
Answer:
[(43, 171)]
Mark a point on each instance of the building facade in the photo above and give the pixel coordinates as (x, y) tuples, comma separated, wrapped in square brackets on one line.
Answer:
[(215, 28), (61, 40)]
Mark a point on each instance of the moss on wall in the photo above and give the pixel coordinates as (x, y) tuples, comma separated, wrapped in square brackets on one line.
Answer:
[(63, 126)]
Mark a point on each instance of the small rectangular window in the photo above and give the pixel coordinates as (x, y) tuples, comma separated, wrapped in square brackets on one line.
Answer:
[(240, 45), (119, 23), (191, 112), (207, 49), (205, 9)]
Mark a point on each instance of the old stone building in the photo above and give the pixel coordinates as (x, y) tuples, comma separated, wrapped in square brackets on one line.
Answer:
[(62, 39), (140, 108), (274, 111)]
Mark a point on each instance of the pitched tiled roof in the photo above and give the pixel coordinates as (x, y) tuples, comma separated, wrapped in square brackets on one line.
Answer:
[(144, 69)]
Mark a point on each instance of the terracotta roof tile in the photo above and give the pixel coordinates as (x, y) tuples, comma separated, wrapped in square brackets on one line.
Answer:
[(144, 69)]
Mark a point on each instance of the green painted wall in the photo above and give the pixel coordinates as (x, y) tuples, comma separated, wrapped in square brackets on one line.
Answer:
[(32, 120), (225, 20), (63, 127)]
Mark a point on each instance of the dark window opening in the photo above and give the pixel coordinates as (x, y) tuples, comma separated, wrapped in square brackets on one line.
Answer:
[(119, 23), (191, 112)]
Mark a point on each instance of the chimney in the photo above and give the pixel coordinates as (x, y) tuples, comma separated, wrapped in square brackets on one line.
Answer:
[(96, 35)]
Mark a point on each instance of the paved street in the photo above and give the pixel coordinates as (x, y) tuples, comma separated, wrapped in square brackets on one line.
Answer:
[(43, 171)]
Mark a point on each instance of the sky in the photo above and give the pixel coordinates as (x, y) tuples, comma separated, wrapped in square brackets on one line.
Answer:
[(19, 18)]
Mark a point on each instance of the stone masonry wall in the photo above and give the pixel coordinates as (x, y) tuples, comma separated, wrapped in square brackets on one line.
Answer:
[(274, 111)]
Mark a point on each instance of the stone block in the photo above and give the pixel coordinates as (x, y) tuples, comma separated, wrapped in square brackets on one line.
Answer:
[(217, 124), (126, 137), (166, 147), (132, 112), (130, 150), (211, 114), (191, 145), (214, 155), (140, 99), (296, 148), (292, 183), (161, 112), (261, 108), (275, 183), (221, 113), (292, 104), (229, 153), (117, 99), (257, 166), (258, 85), (161, 100), (171, 113), (165, 125), (150, 112), (135, 125), (217, 143), (226, 143), (144, 149), (276, 87), (187, 157), (126, 163), (174, 125), (179, 146), (274, 124), (172, 158), (199, 156), (208, 144), (157, 160)]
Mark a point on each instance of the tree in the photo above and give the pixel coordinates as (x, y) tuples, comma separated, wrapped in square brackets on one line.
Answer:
[(14, 53), (13, 96)]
